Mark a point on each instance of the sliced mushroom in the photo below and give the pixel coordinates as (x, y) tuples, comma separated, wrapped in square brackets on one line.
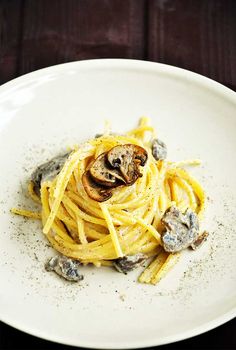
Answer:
[(47, 171), (200, 240), (95, 191), (129, 262), (102, 172), (159, 149), (65, 267), (181, 230), (127, 158)]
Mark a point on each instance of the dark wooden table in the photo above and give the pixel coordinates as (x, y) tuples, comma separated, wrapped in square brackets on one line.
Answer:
[(199, 35)]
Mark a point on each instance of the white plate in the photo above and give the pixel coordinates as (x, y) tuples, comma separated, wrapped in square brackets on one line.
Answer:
[(41, 113)]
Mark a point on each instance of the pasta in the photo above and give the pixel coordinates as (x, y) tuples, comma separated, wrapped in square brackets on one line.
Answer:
[(130, 221)]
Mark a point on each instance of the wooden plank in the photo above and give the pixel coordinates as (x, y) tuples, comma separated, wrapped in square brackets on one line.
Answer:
[(56, 31), (10, 32), (196, 35)]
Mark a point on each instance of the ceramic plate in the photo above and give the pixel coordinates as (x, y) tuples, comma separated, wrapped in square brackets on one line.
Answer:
[(44, 112)]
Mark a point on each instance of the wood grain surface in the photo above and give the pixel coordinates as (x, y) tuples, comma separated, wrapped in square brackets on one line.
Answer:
[(195, 35), (199, 35), (10, 38)]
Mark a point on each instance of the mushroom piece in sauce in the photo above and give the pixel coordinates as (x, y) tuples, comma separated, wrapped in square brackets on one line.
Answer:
[(127, 158), (65, 267), (181, 230), (48, 171), (102, 172), (95, 191), (159, 149), (129, 262)]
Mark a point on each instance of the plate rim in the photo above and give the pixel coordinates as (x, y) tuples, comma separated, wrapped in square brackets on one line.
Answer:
[(147, 66), (205, 327), (106, 63)]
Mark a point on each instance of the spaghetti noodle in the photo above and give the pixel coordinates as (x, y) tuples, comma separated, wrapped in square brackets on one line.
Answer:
[(128, 223)]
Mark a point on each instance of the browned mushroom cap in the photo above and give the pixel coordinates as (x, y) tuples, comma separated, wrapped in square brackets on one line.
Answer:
[(97, 192), (127, 158), (102, 172)]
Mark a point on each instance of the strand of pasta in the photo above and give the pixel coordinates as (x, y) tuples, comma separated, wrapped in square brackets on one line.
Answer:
[(181, 173), (79, 200), (112, 230), (68, 203), (91, 249), (32, 194), (168, 264), (81, 230), (153, 268), (188, 162), (46, 212), (174, 191), (189, 190), (92, 234), (62, 181), (26, 213)]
